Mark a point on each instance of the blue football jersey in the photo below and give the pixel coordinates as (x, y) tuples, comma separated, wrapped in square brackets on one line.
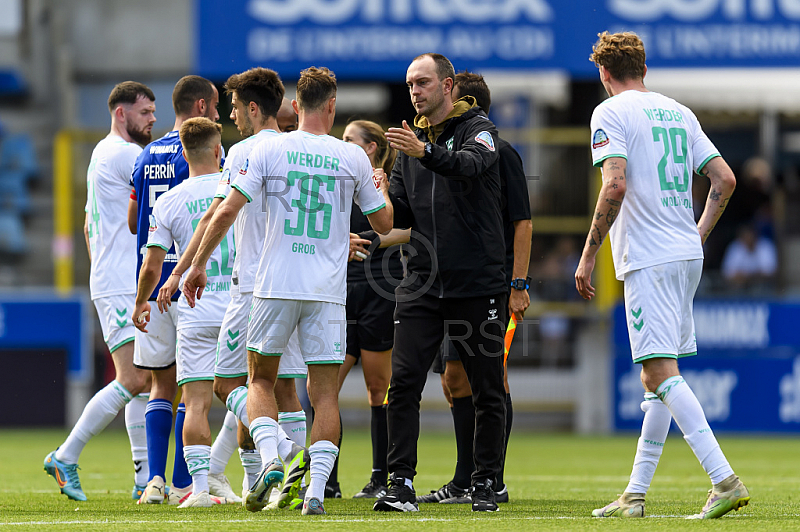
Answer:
[(158, 168)]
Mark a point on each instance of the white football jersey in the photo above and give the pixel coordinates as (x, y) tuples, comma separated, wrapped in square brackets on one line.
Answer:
[(251, 223), (175, 217), (308, 183), (664, 145), (113, 272)]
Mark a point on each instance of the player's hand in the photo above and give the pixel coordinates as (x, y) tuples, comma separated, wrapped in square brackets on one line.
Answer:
[(583, 277), (404, 139), (141, 316), (380, 179), (194, 284), (360, 245), (165, 293), (518, 303)]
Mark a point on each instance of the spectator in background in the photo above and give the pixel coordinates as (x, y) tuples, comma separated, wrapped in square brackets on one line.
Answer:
[(750, 262)]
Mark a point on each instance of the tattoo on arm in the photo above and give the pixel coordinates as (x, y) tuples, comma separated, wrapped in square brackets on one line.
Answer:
[(611, 216), (714, 195), (613, 202)]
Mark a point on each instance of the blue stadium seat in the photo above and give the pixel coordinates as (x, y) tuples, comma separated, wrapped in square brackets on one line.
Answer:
[(14, 196), (12, 234), (18, 153)]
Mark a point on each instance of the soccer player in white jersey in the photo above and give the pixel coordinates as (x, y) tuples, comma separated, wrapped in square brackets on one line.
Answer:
[(256, 97), (648, 147), (112, 281), (307, 180), (175, 215)]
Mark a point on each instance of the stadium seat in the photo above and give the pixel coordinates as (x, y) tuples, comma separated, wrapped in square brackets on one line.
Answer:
[(18, 153), (14, 195), (12, 234)]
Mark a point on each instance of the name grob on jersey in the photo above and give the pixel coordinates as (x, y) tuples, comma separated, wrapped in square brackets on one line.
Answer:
[(664, 145), (175, 217), (113, 271), (251, 223), (308, 183)]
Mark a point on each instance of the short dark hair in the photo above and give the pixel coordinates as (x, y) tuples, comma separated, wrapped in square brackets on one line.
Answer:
[(128, 92), (260, 85), (198, 134), (444, 68), (187, 91), (315, 87), (472, 84)]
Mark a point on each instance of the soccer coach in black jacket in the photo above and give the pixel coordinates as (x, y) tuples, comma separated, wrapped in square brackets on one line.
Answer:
[(445, 185)]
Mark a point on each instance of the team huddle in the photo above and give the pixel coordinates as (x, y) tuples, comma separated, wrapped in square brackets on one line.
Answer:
[(296, 254)]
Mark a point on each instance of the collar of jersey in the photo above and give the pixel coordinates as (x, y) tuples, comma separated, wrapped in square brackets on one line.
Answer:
[(206, 175)]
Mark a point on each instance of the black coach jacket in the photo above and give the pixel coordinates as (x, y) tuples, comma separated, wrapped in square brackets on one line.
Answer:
[(451, 199)]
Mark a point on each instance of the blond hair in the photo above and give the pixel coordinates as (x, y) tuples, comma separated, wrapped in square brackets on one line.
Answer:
[(199, 134), (621, 54), (315, 87)]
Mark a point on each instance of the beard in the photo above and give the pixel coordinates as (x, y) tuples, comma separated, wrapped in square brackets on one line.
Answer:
[(246, 129), (139, 136)]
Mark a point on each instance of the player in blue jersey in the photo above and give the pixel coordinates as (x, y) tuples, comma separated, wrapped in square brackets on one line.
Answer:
[(160, 167)]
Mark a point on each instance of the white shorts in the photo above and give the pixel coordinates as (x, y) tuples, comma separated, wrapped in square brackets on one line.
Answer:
[(658, 307), (115, 319), (194, 354), (321, 328), (155, 349), (232, 350)]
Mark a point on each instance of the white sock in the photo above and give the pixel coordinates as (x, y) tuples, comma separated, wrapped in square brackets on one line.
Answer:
[(99, 412), (251, 462), (134, 423), (197, 462), (689, 415), (237, 403), (655, 428), (294, 425), (224, 445), (264, 431), (323, 455), (284, 443)]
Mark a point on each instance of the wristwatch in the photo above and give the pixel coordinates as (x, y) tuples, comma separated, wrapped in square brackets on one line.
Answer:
[(428, 148), (521, 284)]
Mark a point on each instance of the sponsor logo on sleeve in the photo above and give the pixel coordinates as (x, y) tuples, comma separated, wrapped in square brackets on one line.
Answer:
[(153, 224), (599, 139), (485, 138), (225, 179), (243, 170)]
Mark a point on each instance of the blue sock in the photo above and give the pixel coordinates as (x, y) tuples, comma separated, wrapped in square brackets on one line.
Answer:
[(157, 424), (180, 473)]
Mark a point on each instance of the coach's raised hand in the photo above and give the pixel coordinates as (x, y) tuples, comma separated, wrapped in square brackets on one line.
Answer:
[(194, 284), (404, 140)]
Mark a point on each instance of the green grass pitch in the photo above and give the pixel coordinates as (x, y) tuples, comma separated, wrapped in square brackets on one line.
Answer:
[(554, 480)]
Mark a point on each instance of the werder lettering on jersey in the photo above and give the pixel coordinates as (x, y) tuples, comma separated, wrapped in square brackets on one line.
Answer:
[(159, 171), (313, 160), (663, 115), (199, 205)]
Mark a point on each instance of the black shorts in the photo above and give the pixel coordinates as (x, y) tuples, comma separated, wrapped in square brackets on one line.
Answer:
[(447, 350), (370, 317)]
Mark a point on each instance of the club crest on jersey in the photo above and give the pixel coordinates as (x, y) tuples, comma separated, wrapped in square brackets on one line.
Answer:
[(449, 144), (226, 177), (153, 224), (599, 139), (485, 138), (243, 170)]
